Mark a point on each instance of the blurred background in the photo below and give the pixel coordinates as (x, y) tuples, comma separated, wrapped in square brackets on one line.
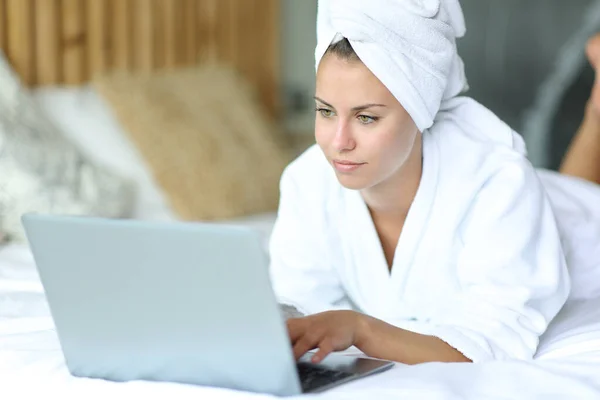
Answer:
[(191, 109)]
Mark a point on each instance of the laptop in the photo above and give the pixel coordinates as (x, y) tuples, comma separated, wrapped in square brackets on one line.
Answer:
[(173, 301)]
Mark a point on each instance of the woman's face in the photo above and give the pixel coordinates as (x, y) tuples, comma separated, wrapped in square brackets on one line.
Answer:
[(364, 132)]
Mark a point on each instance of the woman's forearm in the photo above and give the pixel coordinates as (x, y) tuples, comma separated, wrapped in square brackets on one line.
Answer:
[(384, 341), (583, 156)]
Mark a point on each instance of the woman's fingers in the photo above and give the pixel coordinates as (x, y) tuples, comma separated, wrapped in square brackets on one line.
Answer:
[(296, 328), (304, 345), (302, 337), (327, 332), (325, 348)]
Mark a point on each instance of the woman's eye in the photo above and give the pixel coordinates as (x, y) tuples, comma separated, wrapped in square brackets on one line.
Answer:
[(325, 112), (365, 119)]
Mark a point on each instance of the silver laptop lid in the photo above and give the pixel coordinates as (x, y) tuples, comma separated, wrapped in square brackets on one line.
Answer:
[(179, 302)]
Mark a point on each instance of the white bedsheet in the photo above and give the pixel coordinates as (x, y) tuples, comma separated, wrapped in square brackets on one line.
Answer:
[(31, 363)]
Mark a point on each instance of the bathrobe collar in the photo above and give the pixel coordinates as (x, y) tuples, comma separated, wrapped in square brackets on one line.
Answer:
[(368, 263)]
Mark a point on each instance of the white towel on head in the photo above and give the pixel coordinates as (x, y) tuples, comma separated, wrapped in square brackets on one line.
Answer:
[(410, 45)]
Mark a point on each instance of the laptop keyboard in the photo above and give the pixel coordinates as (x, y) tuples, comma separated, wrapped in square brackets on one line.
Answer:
[(313, 377)]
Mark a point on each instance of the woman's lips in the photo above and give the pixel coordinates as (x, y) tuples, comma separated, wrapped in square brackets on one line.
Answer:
[(346, 166)]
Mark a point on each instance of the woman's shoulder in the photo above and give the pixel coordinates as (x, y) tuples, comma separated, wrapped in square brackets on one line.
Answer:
[(488, 166), (472, 164), (468, 125), (474, 154)]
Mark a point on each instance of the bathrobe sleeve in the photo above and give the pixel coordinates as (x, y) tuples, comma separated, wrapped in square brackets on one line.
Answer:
[(300, 267), (511, 269)]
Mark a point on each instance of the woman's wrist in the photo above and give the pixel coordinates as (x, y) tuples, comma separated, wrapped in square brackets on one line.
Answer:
[(364, 333), (378, 339)]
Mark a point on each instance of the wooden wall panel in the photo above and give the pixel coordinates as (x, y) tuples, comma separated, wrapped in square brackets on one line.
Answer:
[(225, 41), (20, 33), (3, 23), (72, 41), (48, 64), (191, 47), (180, 38), (120, 17), (159, 34), (170, 32), (98, 41), (244, 37), (206, 19), (265, 30), (270, 66), (143, 35)]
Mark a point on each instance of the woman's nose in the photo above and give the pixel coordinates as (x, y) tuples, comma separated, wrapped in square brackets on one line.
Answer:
[(343, 139)]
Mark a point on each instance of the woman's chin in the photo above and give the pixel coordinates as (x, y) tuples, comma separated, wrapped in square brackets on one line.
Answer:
[(351, 181)]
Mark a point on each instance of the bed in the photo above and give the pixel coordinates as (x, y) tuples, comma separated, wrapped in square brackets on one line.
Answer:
[(31, 363), (57, 48)]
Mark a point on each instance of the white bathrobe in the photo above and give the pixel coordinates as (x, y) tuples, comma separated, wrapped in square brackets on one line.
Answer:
[(479, 261)]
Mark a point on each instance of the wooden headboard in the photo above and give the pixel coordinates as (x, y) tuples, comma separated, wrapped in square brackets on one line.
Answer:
[(52, 42)]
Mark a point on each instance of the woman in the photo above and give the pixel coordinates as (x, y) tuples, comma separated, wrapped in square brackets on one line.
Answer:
[(416, 229), (583, 158)]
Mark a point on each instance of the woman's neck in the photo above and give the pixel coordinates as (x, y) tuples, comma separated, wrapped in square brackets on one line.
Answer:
[(393, 197)]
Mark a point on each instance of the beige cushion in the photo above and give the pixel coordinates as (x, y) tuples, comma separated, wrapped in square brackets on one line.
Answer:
[(205, 138)]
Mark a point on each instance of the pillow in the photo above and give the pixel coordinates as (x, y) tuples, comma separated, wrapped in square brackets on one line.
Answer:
[(205, 138), (84, 118), (44, 172)]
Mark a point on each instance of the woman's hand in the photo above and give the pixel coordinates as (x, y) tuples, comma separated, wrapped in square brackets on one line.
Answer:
[(329, 331), (338, 330)]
